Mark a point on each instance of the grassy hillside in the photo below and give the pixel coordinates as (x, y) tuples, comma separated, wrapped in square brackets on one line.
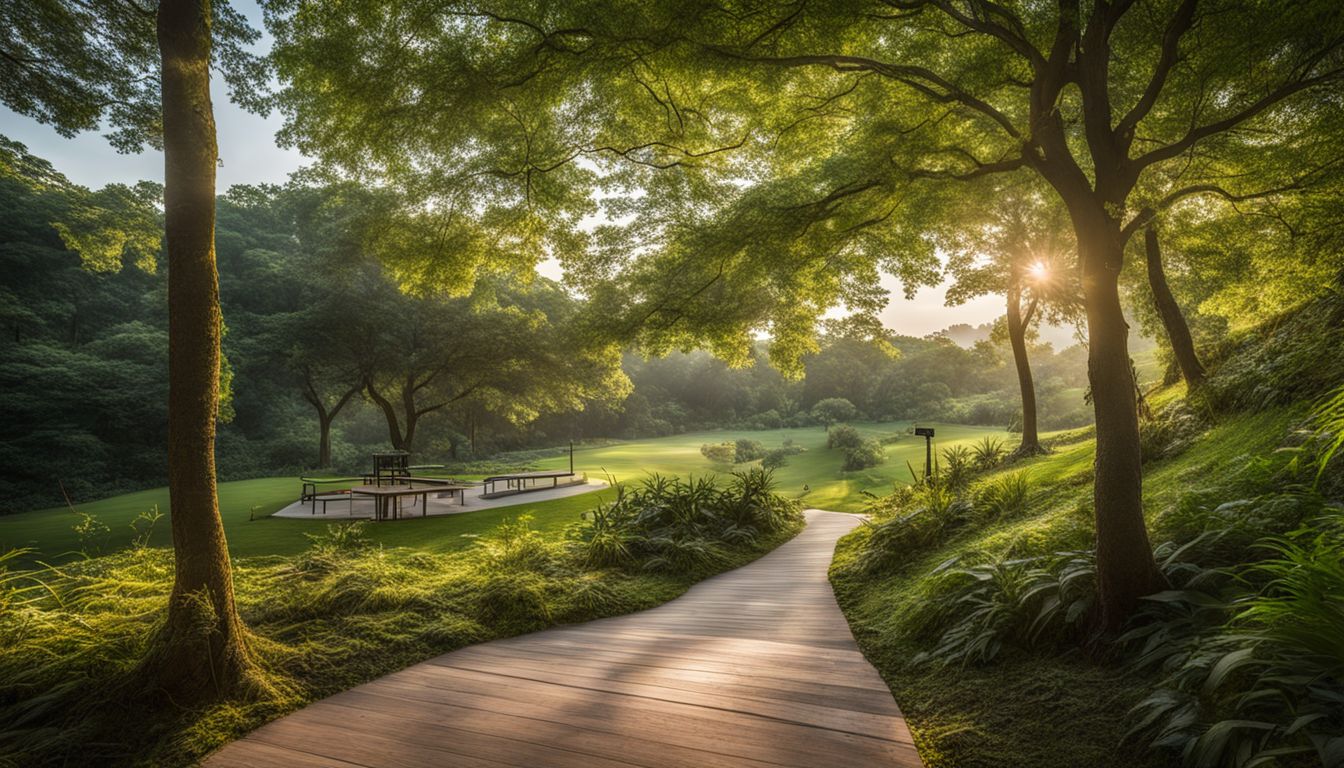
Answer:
[(964, 598), (819, 469)]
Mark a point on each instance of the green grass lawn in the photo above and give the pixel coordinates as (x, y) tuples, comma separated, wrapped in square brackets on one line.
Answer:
[(247, 504), (819, 468)]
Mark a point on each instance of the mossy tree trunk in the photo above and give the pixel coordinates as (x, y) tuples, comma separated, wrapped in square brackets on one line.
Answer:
[(201, 651)]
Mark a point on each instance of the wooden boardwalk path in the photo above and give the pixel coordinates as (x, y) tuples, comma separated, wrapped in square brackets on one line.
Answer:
[(754, 667)]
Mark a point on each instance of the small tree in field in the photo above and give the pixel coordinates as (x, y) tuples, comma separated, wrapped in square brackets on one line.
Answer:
[(833, 410)]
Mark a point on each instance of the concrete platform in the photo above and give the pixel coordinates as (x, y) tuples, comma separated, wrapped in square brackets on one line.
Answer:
[(361, 508)]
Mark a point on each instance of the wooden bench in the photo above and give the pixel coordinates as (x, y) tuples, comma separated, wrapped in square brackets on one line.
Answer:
[(443, 483)]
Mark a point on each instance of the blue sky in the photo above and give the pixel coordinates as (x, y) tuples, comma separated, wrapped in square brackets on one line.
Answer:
[(249, 155)]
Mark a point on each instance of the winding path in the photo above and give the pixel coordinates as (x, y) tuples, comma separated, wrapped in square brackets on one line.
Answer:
[(754, 667)]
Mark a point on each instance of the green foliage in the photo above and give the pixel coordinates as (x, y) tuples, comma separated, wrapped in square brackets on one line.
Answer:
[(1328, 418), (868, 453), (843, 436), (775, 458), (975, 612), (958, 465), (1269, 682), (1005, 496), (1170, 431), (92, 533), (81, 68), (720, 453), (914, 518), (684, 526), (834, 409), (1286, 359), (989, 452), (747, 449)]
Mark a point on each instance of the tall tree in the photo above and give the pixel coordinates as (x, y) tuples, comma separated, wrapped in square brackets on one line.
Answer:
[(1173, 319), (146, 70), (1012, 241), (827, 114)]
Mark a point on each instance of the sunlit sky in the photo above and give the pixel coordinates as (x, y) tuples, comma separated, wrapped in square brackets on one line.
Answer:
[(249, 155)]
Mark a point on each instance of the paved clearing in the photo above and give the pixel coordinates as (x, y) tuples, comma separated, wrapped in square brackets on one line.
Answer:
[(754, 667)]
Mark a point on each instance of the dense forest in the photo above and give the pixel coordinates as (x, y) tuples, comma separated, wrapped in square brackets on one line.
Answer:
[(326, 359)]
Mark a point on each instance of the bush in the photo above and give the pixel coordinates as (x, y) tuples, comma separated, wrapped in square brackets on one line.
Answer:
[(958, 464), (834, 409), (989, 451), (774, 459), (977, 611), (1004, 497), (868, 453), (749, 450), (911, 519), (684, 526), (1170, 431), (843, 436), (1270, 682), (720, 453)]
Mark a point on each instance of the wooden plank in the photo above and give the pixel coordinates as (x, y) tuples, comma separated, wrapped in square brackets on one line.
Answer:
[(754, 668)]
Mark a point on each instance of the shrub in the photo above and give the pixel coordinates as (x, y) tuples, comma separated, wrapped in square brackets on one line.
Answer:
[(868, 453), (977, 611), (834, 409), (1170, 431), (1270, 683), (913, 518), (1005, 496), (843, 436), (670, 524), (748, 450), (720, 453), (989, 451), (958, 463), (774, 459)]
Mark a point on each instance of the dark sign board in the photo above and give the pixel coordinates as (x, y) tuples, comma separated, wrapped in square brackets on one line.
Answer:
[(924, 431)]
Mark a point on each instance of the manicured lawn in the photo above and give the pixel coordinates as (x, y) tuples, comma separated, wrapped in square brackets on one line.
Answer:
[(819, 468), (246, 504)]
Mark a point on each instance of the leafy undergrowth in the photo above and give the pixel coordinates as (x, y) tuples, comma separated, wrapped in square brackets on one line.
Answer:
[(971, 594), (346, 611)]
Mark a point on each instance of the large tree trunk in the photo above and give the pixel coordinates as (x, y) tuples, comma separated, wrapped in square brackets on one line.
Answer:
[(201, 651), (1017, 338), (1178, 331), (1126, 570)]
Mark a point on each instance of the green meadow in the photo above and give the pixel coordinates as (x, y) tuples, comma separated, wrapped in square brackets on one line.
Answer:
[(815, 477)]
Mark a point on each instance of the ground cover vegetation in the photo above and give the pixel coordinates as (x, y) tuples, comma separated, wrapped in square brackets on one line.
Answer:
[(350, 605), (972, 591)]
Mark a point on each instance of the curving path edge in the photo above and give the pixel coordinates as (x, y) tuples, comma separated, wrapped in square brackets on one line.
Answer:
[(753, 667)]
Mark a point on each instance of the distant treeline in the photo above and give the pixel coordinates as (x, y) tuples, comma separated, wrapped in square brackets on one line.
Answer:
[(321, 339)]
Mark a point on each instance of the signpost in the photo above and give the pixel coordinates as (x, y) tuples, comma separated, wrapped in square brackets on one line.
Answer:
[(927, 434)]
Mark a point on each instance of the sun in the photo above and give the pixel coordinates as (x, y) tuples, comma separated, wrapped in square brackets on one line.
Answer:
[(1039, 271)]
